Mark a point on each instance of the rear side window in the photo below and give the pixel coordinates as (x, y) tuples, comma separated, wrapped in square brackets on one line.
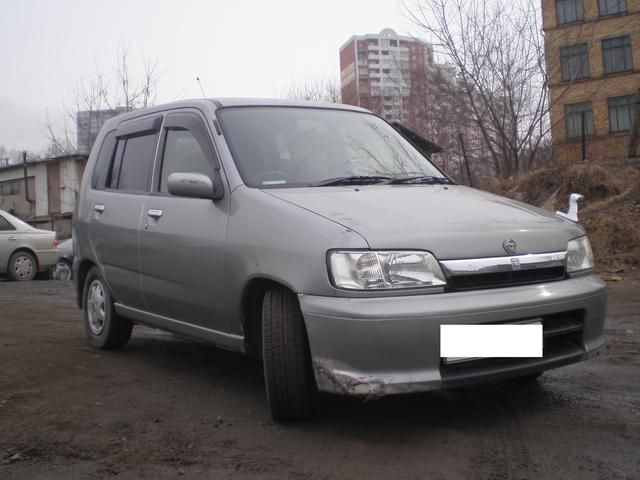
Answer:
[(5, 226), (134, 163), (103, 164), (182, 153)]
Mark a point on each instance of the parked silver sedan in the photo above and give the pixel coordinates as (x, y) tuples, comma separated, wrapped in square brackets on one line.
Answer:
[(25, 250)]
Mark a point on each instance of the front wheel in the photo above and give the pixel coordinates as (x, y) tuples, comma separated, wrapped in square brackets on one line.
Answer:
[(287, 366), (105, 328), (22, 267)]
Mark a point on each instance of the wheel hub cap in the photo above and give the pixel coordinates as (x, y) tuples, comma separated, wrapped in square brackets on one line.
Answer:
[(61, 271), (23, 267), (96, 307)]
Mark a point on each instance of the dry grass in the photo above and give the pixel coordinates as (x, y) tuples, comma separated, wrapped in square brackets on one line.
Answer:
[(610, 214)]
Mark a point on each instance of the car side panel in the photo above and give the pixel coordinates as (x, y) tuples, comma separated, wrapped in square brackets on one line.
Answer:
[(182, 260), (114, 237), (41, 243), (269, 238), (7, 246)]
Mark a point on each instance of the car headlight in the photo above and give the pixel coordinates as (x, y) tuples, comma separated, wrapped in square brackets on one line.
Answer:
[(366, 270), (579, 255)]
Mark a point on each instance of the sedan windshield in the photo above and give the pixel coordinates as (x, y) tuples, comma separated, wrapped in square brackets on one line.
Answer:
[(280, 147)]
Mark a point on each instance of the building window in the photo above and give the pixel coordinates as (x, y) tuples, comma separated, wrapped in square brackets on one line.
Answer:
[(574, 60), (574, 113), (617, 54), (612, 7), (8, 189), (568, 11), (620, 113)]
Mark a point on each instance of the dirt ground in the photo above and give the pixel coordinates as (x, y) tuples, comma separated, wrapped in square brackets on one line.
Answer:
[(166, 407)]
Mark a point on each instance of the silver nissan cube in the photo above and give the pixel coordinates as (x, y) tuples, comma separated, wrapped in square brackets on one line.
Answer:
[(321, 240)]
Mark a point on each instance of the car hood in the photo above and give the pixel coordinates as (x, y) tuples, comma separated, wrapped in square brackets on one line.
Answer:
[(450, 221)]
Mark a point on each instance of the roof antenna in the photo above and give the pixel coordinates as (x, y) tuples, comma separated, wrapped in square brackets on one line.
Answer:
[(200, 85)]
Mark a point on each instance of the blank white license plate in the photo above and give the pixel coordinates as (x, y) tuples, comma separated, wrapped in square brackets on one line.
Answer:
[(470, 342)]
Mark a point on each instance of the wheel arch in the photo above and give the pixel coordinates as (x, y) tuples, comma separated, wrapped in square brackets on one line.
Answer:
[(26, 249), (251, 312), (81, 276)]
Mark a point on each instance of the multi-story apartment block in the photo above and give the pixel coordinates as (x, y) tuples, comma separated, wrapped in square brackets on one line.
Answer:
[(382, 72), (593, 62)]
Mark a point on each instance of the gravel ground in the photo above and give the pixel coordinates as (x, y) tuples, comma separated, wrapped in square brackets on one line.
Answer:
[(167, 407)]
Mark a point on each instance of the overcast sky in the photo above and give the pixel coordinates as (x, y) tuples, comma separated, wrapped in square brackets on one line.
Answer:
[(238, 48)]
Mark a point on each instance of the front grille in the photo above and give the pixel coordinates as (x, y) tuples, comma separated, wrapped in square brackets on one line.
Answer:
[(504, 279), (562, 344)]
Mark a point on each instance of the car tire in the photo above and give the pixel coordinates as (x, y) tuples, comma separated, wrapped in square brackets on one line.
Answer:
[(105, 328), (61, 271), (23, 267), (285, 352)]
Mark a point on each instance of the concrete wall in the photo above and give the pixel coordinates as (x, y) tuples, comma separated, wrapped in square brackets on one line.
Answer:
[(69, 172)]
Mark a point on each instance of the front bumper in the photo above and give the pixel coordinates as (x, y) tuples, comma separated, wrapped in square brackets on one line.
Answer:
[(388, 345)]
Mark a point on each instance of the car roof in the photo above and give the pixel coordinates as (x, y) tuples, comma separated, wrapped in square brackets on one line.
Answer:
[(203, 103)]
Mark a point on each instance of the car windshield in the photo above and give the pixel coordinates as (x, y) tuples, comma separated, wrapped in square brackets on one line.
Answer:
[(284, 147)]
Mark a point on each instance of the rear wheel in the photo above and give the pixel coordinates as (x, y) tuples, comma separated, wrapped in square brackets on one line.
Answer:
[(105, 328), (287, 365), (22, 266), (61, 271)]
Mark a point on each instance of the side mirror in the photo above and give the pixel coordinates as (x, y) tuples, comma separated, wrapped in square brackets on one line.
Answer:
[(196, 185)]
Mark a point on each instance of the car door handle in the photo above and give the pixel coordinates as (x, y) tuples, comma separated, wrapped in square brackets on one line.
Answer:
[(98, 208), (154, 213), (13, 238)]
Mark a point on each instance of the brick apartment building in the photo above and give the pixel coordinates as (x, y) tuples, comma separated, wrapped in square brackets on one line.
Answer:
[(593, 60), (396, 77)]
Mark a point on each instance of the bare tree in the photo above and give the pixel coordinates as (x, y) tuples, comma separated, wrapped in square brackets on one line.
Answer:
[(92, 103), (13, 156), (497, 50), (316, 90)]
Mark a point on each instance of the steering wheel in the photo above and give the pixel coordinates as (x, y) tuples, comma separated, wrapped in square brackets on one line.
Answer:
[(278, 174)]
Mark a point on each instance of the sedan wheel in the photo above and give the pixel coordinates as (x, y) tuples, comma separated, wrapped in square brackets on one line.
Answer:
[(61, 271), (22, 266)]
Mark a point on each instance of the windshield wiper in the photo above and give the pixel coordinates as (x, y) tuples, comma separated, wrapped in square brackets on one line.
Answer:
[(354, 179), (421, 179)]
